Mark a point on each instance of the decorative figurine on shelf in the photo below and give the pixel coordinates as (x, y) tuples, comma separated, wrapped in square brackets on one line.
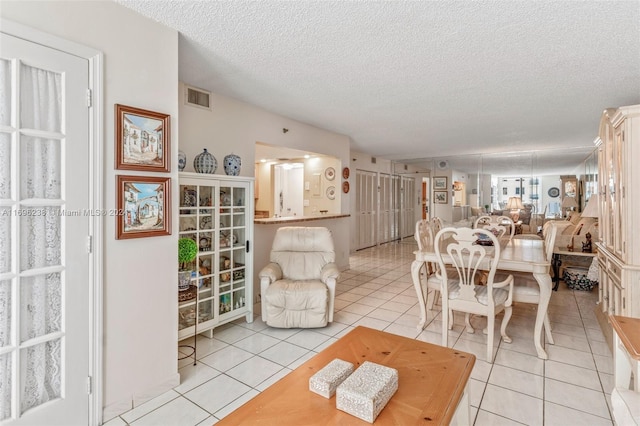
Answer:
[(586, 246)]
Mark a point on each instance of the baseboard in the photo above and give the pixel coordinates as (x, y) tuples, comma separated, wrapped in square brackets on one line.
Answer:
[(120, 407), (113, 410), (605, 326)]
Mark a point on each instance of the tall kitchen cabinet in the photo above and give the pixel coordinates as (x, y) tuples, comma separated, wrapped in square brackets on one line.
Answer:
[(619, 219), (216, 212)]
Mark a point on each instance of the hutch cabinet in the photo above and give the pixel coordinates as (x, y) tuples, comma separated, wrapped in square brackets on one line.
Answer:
[(619, 218), (216, 211)]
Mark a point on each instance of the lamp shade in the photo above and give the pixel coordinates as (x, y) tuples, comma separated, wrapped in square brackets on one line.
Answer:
[(591, 210), (514, 203), (569, 202)]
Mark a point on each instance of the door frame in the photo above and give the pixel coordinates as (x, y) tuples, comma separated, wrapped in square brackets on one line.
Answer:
[(96, 181)]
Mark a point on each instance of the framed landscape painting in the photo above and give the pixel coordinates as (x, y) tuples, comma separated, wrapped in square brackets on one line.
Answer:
[(142, 206), (142, 140), (439, 183), (441, 197)]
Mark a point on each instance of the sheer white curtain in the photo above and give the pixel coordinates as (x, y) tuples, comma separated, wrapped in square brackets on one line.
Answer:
[(5, 239), (39, 194)]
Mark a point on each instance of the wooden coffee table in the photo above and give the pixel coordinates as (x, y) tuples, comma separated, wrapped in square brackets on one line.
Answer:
[(432, 385)]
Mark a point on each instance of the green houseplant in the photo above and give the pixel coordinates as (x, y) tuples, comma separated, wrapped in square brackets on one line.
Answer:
[(187, 252)]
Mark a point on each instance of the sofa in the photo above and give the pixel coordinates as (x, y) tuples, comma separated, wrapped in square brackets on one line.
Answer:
[(574, 228)]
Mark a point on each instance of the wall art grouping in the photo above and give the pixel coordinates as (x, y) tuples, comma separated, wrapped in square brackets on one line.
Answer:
[(142, 143)]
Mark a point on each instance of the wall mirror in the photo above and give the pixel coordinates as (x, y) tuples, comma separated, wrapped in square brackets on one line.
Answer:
[(533, 176)]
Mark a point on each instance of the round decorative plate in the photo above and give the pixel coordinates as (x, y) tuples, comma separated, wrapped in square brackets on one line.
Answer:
[(345, 187), (330, 173), (331, 192), (345, 173), (553, 192)]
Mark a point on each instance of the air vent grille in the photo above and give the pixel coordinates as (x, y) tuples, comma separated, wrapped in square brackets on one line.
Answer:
[(197, 97)]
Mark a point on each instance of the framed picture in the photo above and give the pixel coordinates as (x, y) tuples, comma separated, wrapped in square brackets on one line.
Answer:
[(439, 183), (143, 206), (441, 197), (142, 140)]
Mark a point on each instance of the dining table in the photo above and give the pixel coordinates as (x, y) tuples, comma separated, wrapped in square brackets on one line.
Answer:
[(521, 255)]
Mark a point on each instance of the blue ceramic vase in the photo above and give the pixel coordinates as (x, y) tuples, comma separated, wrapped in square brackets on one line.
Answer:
[(205, 162), (232, 165), (182, 160)]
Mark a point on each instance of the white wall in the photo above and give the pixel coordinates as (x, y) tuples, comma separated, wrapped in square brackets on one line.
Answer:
[(140, 310), (236, 126), (232, 123)]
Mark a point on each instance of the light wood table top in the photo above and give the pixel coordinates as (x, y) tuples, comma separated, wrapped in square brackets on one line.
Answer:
[(431, 382), (628, 330)]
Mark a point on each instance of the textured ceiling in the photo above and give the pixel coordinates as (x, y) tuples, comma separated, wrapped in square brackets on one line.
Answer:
[(413, 80)]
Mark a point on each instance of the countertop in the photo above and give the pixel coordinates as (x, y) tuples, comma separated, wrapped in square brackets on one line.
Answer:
[(293, 219)]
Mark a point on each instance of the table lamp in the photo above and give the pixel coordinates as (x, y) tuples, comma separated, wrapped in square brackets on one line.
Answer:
[(515, 205), (591, 210), (569, 203)]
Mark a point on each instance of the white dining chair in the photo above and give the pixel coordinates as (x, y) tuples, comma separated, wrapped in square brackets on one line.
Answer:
[(461, 293), (499, 224), (424, 234)]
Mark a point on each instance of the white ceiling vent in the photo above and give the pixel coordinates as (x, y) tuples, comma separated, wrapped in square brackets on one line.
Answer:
[(197, 97), (443, 164)]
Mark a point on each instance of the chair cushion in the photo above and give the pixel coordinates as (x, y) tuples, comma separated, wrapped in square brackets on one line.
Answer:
[(499, 295), (296, 303)]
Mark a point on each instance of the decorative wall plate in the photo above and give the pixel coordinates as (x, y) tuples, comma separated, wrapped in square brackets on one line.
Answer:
[(345, 173), (345, 187), (330, 173), (331, 192), (553, 192)]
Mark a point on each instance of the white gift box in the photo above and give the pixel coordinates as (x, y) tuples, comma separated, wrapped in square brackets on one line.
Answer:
[(366, 392), (326, 380)]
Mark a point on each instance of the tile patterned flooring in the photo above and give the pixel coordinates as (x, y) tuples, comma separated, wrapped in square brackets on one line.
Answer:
[(572, 387)]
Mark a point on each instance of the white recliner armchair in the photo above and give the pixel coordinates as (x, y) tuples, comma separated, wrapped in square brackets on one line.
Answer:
[(298, 286)]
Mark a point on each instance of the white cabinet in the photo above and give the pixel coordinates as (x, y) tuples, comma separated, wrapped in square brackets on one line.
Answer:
[(619, 221), (217, 213)]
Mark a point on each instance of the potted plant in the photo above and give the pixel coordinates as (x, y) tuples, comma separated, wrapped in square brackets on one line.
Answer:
[(187, 251)]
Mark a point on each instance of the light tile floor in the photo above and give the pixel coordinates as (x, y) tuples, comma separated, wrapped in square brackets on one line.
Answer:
[(572, 387)]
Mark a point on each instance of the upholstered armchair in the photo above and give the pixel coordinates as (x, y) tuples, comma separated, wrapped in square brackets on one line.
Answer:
[(298, 286)]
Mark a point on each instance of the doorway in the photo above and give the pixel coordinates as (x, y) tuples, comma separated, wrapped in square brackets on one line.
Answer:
[(48, 271)]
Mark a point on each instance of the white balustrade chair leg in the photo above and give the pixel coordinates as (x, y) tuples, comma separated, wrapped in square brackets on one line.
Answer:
[(467, 321), (505, 321), (490, 324)]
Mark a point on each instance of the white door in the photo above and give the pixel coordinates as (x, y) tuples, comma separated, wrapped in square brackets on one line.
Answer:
[(407, 207), (366, 202), (44, 228), (385, 203)]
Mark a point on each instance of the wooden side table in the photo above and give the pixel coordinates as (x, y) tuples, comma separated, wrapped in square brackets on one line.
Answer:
[(556, 262), (625, 396), (626, 347)]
